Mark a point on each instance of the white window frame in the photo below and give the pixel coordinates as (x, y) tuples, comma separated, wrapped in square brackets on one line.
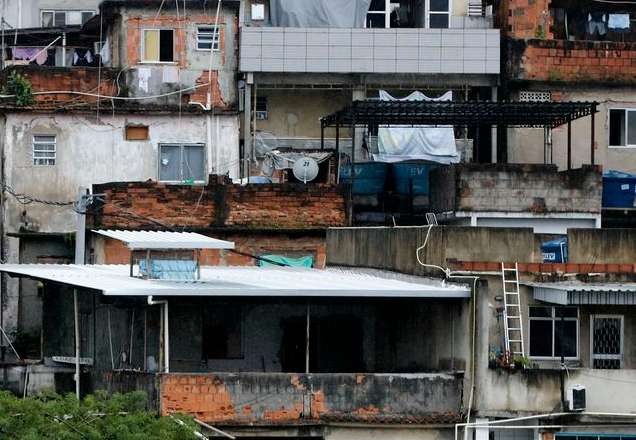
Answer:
[(621, 355), (45, 161), (216, 37), (143, 46), (428, 13), (65, 11), (386, 12), (181, 146), (627, 110), (554, 319)]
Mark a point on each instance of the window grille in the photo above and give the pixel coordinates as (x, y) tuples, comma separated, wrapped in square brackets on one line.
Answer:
[(528, 96), (44, 150), (607, 341)]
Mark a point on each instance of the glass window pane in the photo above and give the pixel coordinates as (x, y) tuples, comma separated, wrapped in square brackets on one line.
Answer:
[(607, 336), (151, 45), (617, 127), (378, 5), (566, 312), (376, 20), (193, 163), (569, 338), (169, 163), (540, 312), (438, 21), (631, 128), (438, 5), (47, 19), (540, 338)]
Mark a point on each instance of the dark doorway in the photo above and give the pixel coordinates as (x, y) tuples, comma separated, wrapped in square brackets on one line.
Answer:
[(335, 345)]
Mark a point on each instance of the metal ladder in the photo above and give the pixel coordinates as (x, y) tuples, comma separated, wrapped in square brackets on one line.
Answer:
[(513, 327)]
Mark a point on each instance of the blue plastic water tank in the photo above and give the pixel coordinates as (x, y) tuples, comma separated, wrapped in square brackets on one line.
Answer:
[(370, 177), (412, 177), (555, 251), (619, 189)]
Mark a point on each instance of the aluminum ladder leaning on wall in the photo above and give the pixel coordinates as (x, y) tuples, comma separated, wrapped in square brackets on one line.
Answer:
[(513, 324)]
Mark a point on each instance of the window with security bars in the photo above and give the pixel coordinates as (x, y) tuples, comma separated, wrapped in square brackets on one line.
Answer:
[(607, 341), (530, 96), (44, 150)]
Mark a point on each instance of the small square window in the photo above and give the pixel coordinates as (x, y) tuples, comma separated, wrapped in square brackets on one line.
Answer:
[(207, 38), (44, 150), (137, 133)]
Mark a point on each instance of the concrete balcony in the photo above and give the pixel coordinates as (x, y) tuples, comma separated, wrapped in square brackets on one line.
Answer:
[(289, 398), (336, 50)]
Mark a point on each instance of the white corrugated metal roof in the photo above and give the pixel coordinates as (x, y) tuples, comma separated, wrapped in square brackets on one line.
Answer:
[(138, 240), (579, 293), (245, 281)]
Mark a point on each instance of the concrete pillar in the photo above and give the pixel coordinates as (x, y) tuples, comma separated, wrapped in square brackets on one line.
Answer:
[(493, 129), (247, 127), (359, 94)]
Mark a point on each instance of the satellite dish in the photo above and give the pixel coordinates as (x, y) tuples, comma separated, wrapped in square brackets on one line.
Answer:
[(305, 169)]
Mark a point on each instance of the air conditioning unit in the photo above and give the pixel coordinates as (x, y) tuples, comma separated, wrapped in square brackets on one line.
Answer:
[(576, 398)]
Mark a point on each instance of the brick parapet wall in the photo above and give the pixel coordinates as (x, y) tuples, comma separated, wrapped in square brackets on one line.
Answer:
[(538, 189), (566, 61), (153, 205)]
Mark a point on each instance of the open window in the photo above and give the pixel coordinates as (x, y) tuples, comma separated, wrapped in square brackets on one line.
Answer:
[(394, 14), (222, 330), (158, 46)]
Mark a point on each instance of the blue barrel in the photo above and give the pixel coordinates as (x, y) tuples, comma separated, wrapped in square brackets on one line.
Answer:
[(412, 177), (370, 177), (619, 189), (555, 251)]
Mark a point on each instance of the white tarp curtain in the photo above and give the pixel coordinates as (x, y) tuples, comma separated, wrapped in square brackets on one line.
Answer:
[(319, 13), (434, 143)]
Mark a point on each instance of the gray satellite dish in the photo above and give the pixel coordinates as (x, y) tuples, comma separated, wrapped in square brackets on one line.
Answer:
[(305, 169)]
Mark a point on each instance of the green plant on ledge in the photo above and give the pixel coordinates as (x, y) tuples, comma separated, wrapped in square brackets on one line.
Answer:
[(19, 86), (540, 33)]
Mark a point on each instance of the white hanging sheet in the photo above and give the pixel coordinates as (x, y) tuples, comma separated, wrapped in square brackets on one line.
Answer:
[(434, 143)]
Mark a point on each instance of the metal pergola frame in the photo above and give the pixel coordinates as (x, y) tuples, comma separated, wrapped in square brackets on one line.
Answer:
[(547, 115)]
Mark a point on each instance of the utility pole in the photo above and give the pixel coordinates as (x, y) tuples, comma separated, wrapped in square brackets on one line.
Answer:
[(80, 249)]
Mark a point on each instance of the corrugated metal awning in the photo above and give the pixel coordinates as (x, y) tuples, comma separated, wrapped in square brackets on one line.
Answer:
[(578, 293), (141, 240), (244, 281)]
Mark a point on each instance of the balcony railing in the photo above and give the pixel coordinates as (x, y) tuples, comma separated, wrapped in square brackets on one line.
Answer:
[(337, 50), (270, 398)]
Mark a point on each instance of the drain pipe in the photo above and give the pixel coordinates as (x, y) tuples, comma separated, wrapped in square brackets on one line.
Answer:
[(166, 332)]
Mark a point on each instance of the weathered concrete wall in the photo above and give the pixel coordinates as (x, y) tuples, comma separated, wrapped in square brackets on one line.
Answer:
[(104, 156), (525, 145), (537, 189), (294, 398), (394, 248), (275, 206), (602, 245)]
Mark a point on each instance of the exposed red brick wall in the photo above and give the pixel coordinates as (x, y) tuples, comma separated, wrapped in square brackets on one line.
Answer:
[(525, 18), (75, 79), (114, 252), (200, 94), (558, 60), (153, 205)]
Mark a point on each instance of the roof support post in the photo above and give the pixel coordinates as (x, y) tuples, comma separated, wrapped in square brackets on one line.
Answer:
[(569, 144), (338, 152), (77, 343), (322, 135), (352, 168), (592, 135), (307, 327)]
